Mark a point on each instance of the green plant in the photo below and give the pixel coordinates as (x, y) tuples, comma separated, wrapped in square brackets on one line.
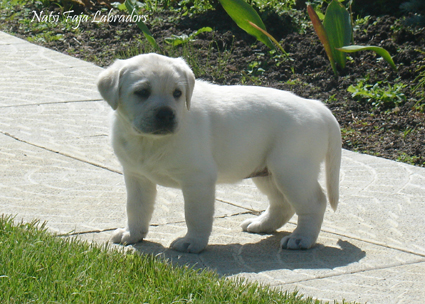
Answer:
[(361, 21), (278, 5), (419, 89), (193, 7), (13, 2), (412, 160), (131, 7), (248, 19), (280, 58), (379, 95), (244, 16), (336, 33), (332, 98), (46, 3), (183, 39), (420, 79), (351, 137), (253, 73), (46, 37)]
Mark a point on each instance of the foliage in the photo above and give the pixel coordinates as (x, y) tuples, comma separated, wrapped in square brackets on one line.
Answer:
[(378, 95), (183, 39), (419, 89), (270, 36), (420, 79), (37, 267), (193, 7), (131, 8), (245, 16), (337, 24), (336, 32), (378, 50), (412, 160), (323, 36), (278, 5)]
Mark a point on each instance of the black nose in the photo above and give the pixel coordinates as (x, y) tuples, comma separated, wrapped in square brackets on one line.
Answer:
[(165, 115)]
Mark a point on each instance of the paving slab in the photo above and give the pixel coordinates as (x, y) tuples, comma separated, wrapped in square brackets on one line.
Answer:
[(56, 165)]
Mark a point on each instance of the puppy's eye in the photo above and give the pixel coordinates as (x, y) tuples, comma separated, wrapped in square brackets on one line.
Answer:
[(177, 93), (143, 93)]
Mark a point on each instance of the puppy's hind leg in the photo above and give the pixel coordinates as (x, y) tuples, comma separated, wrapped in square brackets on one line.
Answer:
[(277, 214), (298, 182)]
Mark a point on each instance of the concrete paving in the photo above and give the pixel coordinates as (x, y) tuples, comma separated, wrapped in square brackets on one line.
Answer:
[(56, 165)]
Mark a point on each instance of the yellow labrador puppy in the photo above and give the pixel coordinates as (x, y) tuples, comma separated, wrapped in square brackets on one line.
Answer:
[(172, 130)]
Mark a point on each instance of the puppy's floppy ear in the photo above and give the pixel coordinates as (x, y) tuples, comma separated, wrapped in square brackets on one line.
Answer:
[(190, 81), (108, 83)]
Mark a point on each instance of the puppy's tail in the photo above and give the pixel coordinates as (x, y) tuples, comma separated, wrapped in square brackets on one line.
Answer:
[(333, 163)]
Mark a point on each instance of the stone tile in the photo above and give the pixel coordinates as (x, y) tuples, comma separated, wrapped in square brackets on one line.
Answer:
[(337, 268), (72, 195)]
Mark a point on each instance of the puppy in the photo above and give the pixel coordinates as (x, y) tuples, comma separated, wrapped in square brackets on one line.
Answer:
[(172, 130)]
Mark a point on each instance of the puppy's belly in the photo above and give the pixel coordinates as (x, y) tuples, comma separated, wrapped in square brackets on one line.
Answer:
[(236, 175)]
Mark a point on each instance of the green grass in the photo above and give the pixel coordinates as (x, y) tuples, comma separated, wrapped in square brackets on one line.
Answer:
[(419, 88), (38, 267)]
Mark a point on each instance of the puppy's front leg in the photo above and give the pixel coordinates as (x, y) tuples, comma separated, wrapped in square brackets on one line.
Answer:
[(199, 211), (140, 203)]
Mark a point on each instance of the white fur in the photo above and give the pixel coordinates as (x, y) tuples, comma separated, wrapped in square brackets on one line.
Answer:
[(229, 133)]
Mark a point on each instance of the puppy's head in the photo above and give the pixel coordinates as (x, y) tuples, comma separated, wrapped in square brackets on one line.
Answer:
[(149, 91)]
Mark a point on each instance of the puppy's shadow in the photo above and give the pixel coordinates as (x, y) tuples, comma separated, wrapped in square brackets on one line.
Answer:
[(265, 255)]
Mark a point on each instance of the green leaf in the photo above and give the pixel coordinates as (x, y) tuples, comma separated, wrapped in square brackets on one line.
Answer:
[(131, 9), (202, 30), (337, 24), (182, 39), (320, 14), (242, 13), (380, 51), (177, 40), (270, 36), (321, 33)]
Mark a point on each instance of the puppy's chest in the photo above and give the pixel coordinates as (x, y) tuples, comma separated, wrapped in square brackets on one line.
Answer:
[(151, 161)]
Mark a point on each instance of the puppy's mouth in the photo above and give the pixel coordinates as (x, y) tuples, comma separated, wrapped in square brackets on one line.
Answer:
[(164, 130), (159, 130)]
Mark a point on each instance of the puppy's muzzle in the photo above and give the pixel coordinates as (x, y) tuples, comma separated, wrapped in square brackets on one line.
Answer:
[(165, 120)]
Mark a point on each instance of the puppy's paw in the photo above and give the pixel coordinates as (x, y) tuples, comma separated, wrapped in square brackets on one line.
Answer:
[(189, 244), (125, 237), (297, 242), (257, 225)]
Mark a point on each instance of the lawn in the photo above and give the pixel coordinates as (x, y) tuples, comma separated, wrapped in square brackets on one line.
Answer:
[(38, 267)]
